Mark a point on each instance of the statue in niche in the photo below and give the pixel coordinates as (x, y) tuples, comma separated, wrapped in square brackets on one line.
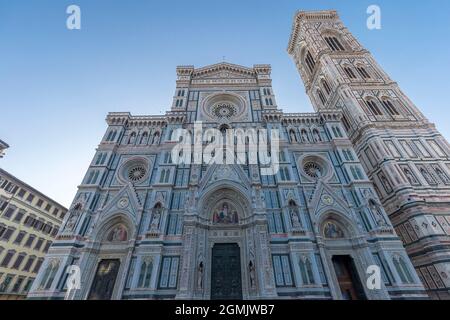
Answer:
[(70, 225), (200, 271), (225, 215), (412, 180), (252, 274), (118, 234), (377, 212), (157, 211), (332, 231), (293, 136), (293, 213)]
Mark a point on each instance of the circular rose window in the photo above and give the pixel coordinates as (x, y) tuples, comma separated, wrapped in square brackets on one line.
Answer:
[(224, 110), (136, 173), (313, 169)]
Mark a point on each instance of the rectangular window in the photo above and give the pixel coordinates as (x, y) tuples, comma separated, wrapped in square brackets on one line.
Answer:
[(8, 233), (169, 273), (20, 237), (18, 261), (21, 193), (38, 265), (29, 263), (30, 198), (7, 259), (39, 243), (283, 273), (30, 240), (9, 212)]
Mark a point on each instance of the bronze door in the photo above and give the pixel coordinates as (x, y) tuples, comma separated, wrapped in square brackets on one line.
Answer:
[(105, 279), (348, 278), (226, 272)]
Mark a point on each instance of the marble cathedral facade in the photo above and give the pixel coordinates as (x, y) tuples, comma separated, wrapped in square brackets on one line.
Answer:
[(360, 180)]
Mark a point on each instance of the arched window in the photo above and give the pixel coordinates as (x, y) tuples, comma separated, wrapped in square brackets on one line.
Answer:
[(373, 107), (144, 138), (132, 138), (334, 43), (349, 72), (363, 72), (145, 274), (306, 271), (390, 107), (326, 86), (293, 136), (403, 270), (310, 62), (317, 136), (305, 136), (321, 96)]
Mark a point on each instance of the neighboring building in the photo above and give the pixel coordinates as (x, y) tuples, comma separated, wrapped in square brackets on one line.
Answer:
[(29, 222), (3, 147), (143, 227)]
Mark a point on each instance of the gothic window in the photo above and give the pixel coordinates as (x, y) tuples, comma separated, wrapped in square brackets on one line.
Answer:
[(282, 269), (165, 176), (350, 72), (92, 177), (310, 62), (145, 273), (156, 138), (390, 107), (284, 174), (408, 149), (305, 136), (373, 107), (334, 44), (132, 138), (292, 136), (144, 138), (275, 222), (357, 173), (174, 224), (363, 72), (306, 271), (326, 86), (321, 97), (49, 274), (317, 136), (384, 269), (111, 135), (337, 132), (169, 273), (182, 177), (403, 270)]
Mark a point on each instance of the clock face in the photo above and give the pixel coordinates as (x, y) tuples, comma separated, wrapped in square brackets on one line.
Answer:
[(327, 200)]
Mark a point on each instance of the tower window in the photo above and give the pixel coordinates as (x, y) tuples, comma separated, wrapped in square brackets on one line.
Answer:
[(310, 62), (321, 97), (363, 72), (390, 107), (326, 86), (373, 107), (334, 44), (350, 72)]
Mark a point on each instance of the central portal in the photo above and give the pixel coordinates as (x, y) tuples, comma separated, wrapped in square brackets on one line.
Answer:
[(226, 272)]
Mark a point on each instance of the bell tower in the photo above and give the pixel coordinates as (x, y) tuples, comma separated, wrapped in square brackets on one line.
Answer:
[(404, 155)]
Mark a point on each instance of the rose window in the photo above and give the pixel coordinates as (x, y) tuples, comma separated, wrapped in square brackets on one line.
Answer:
[(136, 173), (313, 169), (224, 110)]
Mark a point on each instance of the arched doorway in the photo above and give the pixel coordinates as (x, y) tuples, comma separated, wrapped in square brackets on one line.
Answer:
[(226, 245)]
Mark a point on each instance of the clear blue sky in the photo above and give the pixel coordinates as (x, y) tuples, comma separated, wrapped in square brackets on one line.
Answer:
[(56, 85)]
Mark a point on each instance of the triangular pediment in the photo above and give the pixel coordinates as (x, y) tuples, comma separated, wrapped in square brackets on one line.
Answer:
[(223, 172), (125, 201), (325, 198), (224, 70)]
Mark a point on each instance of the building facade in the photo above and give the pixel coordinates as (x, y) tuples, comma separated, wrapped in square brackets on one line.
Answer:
[(145, 226), (29, 222), (403, 154)]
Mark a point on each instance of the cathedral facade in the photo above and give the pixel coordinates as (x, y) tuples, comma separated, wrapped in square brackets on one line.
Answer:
[(357, 182)]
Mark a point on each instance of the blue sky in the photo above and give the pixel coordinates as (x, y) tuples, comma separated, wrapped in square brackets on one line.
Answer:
[(57, 85)]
